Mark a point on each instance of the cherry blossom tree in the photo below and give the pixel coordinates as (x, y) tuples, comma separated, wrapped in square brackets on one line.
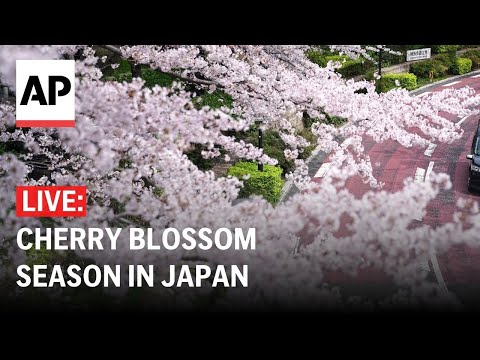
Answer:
[(130, 142)]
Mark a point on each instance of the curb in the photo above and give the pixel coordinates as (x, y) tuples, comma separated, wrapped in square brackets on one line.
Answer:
[(319, 156), (444, 81)]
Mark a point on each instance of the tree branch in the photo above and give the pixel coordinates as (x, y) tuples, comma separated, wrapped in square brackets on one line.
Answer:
[(172, 74), (194, 80)]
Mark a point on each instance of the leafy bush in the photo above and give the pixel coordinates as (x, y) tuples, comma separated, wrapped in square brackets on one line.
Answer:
[(407, 81), (195, 156), (329, 119), (462, 66), (307, 134), (353, 67), (267, 183), (273, 146), (123, 72), (317, 57), (308, 120), (473, 55), (43, 257), (447, 59), (214, 100), (439, 49), (334, 120), (429, 68), (154, 77), (350, 67)]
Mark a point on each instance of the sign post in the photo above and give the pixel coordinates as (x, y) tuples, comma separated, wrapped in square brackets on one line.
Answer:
[(418, 54)]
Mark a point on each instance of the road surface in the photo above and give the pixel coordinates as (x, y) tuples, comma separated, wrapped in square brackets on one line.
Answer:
[(458, 270)]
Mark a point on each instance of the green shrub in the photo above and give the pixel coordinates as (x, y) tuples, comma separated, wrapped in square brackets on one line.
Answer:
[(353, 67), (329, 119), (439, 49), (317, 57), (273, 146), (267, 183), (123, 72), (429, 68), (308, 121), (43, 256), (447, 59), (462, 66), (195, 156), (350, 67), (407, 81), (154, 77), (214, 100), (473, 55), (334, 120), (307, 134)]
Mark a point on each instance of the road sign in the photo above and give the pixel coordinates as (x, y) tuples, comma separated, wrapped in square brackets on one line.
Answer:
[(418, 54)]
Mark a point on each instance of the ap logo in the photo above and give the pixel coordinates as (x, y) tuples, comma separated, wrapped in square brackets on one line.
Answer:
[(45, 93)]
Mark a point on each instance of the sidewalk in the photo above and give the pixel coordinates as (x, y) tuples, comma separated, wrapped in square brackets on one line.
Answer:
[(405, 66)]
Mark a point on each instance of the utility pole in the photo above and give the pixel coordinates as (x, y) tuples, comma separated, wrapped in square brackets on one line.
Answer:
[(380, 70), (380, 62), (260, 141)]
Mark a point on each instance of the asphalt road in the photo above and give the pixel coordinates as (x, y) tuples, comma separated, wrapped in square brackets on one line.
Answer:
[(457, 271)]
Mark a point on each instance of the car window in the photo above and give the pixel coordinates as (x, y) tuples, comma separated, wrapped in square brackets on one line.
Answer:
[(477, 147)]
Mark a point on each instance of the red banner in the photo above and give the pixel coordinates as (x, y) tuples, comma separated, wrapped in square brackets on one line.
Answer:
[(51, 201)]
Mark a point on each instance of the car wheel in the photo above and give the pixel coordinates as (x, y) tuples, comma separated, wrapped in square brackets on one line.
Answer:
[(470, 189)]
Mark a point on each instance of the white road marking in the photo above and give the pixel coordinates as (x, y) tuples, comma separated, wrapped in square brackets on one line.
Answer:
[(425, 93), (476, 76), (297, 247), (323, 170), (433, 258), (419, 175), (452, 83), (423, 262), (430, 148), (429, 170), (462, 120), (419, 178), (438, 273), (347, 141)]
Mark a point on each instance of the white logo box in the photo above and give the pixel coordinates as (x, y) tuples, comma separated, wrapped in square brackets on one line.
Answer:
[(48, 115)]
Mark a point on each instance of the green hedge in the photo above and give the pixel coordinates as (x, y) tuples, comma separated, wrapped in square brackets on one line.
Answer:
[(316, 57), (214, 100), (195, 156), (350, 68), (462, 66), (429, 67), (439, 49), (447, 59), (407, 81), (267, 183), (154, 77), (123, 72), (307, 134), (473, 55), (273, 146)]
